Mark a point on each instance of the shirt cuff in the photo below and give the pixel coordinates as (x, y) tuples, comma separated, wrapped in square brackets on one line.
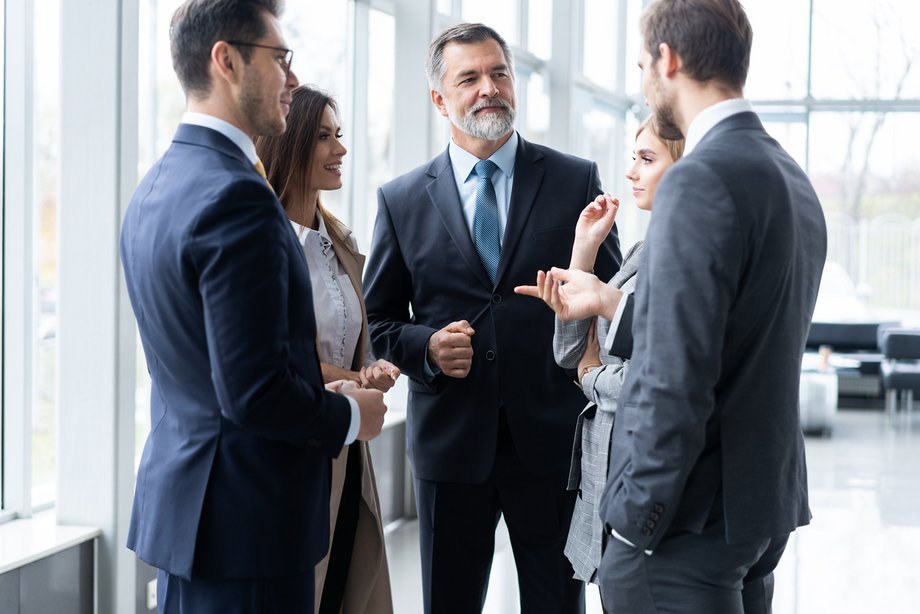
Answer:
[(355, 422), (429, 372), (619, 537), (615, 323)]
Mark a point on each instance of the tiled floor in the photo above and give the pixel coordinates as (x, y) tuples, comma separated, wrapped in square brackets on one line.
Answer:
[(860, 555)]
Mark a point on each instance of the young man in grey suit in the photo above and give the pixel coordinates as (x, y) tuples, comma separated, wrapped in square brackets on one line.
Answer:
[(491, 417), (232, 497), (707, 477)]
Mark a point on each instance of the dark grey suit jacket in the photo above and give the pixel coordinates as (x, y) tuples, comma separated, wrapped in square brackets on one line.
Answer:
[(707, 427), (423, 273)]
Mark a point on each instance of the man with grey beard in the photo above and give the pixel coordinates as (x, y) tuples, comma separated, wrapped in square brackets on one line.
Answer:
[(491, 417)]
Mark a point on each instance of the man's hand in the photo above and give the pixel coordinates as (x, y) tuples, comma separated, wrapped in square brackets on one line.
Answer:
[(574, 295), (371, 407), (451, 349), (381, 375)]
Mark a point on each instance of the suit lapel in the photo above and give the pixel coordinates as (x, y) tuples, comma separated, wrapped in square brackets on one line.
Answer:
[(528, 175), (443, 194)]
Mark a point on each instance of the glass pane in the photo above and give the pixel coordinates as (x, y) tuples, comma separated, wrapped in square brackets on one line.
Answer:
[(160, 98), (633, 47), (599, 61), (863, 166), (2, 206), (317, 32), (779, 57), (47, 160), (866, 49), (380, 97), (793, 136), (500, 16), (445, 7), (536, 120), (540, 28)]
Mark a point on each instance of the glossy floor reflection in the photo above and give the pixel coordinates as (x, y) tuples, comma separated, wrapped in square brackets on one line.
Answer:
[(860, 555)]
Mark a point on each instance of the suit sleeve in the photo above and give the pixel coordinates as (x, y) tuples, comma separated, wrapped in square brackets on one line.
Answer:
[(388, 296), (239, 250), (621, 339), (695, 251)]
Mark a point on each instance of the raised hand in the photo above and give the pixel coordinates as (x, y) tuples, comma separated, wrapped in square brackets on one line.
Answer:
[(574, 294), (593, 227)]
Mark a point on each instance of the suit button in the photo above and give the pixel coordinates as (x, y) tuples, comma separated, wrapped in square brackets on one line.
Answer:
[(646, 532), (654, 516), (490, 355), (650, 524), (659, 508), (496, 298)]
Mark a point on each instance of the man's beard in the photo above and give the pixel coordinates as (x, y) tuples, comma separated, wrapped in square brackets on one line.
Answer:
[(257, 110), (492, 126), (665, 121)]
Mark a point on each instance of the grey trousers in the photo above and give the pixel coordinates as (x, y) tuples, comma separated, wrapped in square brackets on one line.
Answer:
[(690, 574)]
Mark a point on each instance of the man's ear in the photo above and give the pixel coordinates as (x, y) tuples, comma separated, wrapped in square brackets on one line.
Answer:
[(669, 63), (226, 61), (438, 100)]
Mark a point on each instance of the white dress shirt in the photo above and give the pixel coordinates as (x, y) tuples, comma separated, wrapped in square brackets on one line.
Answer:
[(335, 301)]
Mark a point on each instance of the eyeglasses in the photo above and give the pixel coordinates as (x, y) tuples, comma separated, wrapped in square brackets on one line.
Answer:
[(285, 62)]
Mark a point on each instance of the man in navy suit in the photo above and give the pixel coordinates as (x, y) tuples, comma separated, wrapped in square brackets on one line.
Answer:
[(491, 418), (232, 492)]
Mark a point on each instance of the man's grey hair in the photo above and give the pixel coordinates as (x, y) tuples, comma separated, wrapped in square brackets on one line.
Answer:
[(466, 34)]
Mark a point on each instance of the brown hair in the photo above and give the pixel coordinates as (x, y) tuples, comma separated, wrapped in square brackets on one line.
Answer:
[(675, 146), (712, 37), (288, 157), (198, 24)]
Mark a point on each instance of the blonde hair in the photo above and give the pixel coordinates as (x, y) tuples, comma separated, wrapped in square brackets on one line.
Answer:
[(675, 146)]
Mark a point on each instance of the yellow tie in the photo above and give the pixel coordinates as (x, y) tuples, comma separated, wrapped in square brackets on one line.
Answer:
[(260, 168)]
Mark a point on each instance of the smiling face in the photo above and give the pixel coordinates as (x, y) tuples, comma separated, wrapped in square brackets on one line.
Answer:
[(477, 92), (265, 90), (328, 151), (651, 158)]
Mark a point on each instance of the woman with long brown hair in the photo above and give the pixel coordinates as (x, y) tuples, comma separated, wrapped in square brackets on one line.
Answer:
[(299, 164)]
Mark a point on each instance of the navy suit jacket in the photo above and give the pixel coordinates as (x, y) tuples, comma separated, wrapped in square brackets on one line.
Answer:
[(707, 430), (234, 477), (423, 272)]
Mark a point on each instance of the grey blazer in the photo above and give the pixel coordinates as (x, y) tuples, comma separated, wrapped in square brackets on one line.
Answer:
[(707, 433), (588, 470)]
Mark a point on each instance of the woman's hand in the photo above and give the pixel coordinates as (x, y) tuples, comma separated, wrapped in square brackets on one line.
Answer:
[(592, 229), (380, 375)]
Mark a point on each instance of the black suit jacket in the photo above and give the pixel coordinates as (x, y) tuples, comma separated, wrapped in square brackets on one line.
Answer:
[(708, 426), (423, 272), (234, 478)]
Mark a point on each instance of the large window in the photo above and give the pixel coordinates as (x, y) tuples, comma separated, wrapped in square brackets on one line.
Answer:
[(45, 266)]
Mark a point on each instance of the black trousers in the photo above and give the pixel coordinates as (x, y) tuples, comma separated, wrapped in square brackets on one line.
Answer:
[(690, 574), (280, 595), (457, 537)]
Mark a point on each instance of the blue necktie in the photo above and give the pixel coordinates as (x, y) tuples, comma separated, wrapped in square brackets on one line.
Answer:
[(485, 220)]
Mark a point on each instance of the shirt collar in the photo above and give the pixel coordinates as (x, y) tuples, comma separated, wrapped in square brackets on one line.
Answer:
[(710, 116), (227, 129), (463, 161), (321, 233)]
